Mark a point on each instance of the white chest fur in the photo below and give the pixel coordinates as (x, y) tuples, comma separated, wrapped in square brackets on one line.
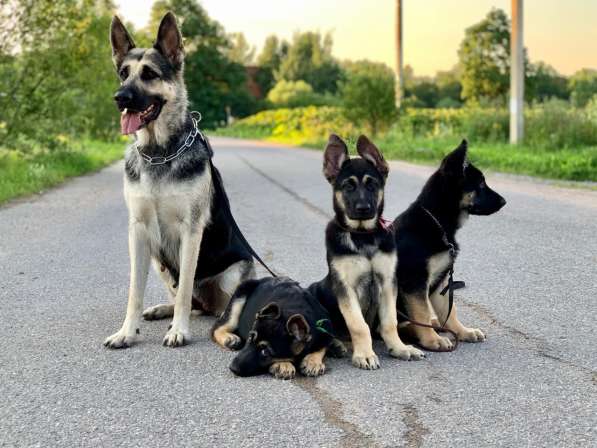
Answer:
[(168, 208), (351, 269)]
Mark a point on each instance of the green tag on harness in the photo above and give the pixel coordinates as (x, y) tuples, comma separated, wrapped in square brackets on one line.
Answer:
[(319, 326)]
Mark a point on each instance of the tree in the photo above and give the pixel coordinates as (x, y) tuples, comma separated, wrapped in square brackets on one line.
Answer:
[(544, 82), (240, 51), (214, 82), (484, 56), (368, 95), (449, 87), (310, 59), (426, 92), (583, 86), (269, 61), (56, 75)]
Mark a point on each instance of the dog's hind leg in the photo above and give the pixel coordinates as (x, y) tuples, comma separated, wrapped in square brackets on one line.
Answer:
[(223, 330), (440, 305), (163, 310), (419, 309), (213, 294), (139, 251)]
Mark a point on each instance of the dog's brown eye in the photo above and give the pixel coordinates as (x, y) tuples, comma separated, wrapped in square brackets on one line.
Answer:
[(124, 73), (370, 184), (349, 186), (148, 74)]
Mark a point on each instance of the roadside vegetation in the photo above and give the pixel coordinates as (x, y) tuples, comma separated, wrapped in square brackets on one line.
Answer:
[(24, 174), (57, 118), (469, 101)]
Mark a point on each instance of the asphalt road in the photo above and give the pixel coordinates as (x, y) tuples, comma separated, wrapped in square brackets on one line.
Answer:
[(531, 272)]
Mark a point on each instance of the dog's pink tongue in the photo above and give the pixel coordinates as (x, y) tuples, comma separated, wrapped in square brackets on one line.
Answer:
[(130, 122)]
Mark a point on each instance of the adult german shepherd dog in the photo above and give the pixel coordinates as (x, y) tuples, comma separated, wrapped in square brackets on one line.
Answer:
[(179, 215), (361, 253), (426, 242)]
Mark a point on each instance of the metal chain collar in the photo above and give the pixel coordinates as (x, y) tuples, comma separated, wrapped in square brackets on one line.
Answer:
[(161, 160)]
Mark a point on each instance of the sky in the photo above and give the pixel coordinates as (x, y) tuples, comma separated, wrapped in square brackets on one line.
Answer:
[(562, 33)]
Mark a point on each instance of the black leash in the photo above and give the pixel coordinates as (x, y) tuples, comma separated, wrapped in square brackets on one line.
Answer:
[(452, 251), (219, 185)]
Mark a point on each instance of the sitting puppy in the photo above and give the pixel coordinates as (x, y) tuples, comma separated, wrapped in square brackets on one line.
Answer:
[(361, 283), (277, 324), (427, 249)]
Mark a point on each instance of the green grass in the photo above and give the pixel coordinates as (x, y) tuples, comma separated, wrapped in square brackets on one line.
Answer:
[(24, 174), (579, 164)]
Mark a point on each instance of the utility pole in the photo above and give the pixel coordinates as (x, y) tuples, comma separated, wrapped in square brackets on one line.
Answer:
[(399, 59), (516, 74)]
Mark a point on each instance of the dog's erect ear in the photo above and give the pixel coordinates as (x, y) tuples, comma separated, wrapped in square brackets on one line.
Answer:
[(456, 162), (121, 41), (269, 311), (169, 41), (300, 330), (336, 153), (368, 151)]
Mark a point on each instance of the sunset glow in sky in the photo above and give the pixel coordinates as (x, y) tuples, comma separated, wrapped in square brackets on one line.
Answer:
[(562, 33)]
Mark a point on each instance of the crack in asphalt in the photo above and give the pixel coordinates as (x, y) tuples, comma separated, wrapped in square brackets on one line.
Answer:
[(332, 409), (415, 430), (315, 209), (536, 341)]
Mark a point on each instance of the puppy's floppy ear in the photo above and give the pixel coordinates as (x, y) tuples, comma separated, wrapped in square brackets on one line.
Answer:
[(169, 41), (121, 41), (300, 330), (335, 154), (269, 311), (368, 151), (455, 163)]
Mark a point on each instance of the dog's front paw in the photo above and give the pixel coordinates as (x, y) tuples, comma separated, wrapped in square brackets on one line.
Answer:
[(437, 343), (471, 335), (312, 365), (282, 370), (176, 336), (337, 349), (367, 361), (123, 338), (406, 353), (233, 342)]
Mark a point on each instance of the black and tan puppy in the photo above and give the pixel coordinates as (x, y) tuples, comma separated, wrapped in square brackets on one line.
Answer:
[(427, 248), (361, 253), (278, 325)]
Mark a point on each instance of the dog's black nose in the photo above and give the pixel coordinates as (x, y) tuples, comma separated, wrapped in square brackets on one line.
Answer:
[(235, 368), (123, 97), (363, 208), (502, 202)]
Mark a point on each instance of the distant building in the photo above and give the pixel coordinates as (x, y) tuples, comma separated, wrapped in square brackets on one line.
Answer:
[(252, 85)]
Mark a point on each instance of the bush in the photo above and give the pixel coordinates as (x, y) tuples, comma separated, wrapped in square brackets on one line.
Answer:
[(297, 126), (368, 95), (555, 125), (289, 94)]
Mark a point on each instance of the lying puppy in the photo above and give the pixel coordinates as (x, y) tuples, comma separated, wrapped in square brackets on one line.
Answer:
[(277, 324), (361, 253), (427, 248)]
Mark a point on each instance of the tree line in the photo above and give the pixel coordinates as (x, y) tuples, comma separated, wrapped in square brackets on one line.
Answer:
[(56, 75)]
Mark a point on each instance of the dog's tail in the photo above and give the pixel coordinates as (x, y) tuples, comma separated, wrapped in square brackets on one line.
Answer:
[(219, 187)]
